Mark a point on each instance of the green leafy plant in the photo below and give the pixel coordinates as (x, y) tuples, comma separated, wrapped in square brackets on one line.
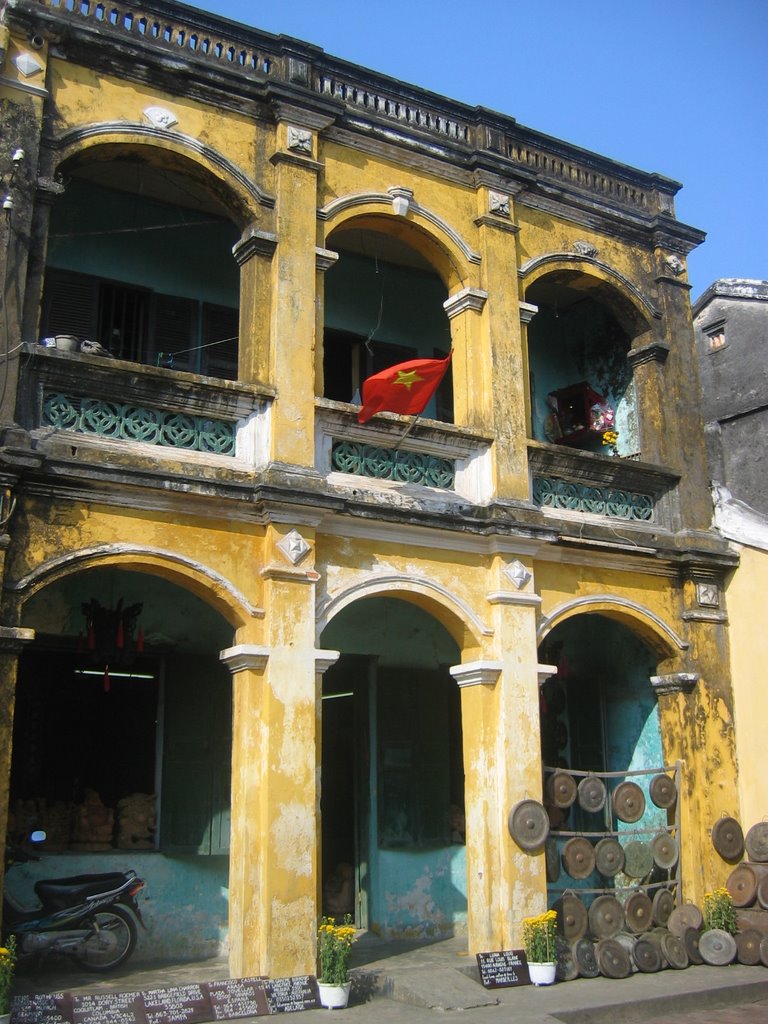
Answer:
[(719, 911), (539, 937), (7, 967), (334, 943)]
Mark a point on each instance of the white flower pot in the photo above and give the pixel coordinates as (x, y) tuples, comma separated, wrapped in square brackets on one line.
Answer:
[(542, 974), (334, 997)]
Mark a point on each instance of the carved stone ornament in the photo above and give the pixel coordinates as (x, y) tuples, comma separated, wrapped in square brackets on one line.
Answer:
[(675, 264), (498, 203), (401, 200), (517, 573), (708, 595), (299, 140), (28, 64), (160, 117), (584, 248), (294, 547)]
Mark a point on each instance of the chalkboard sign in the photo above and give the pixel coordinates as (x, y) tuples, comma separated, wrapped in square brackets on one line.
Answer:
[(237, 997), (286, 995), (184, 1004), (108, 1008), (50, 1009), (504, 969)]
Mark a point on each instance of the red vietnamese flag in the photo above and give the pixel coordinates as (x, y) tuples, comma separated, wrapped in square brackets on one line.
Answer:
[(405, 388)]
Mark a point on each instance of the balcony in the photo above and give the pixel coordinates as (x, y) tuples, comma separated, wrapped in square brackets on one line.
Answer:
[(393, 454), (72, 398), (569, 483)]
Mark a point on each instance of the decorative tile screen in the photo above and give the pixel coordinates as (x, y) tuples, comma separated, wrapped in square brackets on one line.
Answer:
[(390, 464), (551, 492), (127, 422)]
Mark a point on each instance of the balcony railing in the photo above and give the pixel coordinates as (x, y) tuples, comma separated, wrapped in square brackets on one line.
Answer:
[(387, 452), (113, 400), (565, 481), (364, 94)]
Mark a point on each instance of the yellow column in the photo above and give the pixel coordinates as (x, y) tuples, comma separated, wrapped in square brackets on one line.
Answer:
[(506, 353), (502, 766), (274, 856), (292, 366)]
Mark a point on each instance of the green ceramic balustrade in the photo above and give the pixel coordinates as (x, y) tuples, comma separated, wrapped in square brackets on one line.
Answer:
[(552, 492), (391, 464), (127, 422)]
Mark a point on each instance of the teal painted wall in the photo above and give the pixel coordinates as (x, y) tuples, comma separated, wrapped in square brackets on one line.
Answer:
[(597, 649), (582, 342), (113, 235), (185, 904), (397, 305), (412, 892)]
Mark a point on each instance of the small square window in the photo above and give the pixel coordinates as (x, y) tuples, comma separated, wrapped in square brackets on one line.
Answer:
[(716, 340), (715, 334)]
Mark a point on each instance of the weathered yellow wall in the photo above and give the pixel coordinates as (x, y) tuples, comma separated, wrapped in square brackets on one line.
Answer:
[(749, 656)]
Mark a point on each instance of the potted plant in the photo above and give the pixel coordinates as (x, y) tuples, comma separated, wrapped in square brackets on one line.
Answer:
[(7, 967), (539, 942), (719, 912), (334, 943)]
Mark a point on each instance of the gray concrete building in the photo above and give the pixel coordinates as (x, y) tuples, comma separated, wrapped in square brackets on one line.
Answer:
[(731, 327)]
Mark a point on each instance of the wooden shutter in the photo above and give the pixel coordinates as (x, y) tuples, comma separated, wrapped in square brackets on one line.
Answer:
[(414, 742), (197, 757)]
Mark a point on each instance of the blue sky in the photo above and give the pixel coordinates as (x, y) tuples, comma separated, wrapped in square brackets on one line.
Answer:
[(679, 88)]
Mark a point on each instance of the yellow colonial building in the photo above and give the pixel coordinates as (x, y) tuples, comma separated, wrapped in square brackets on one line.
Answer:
[(337, 665)]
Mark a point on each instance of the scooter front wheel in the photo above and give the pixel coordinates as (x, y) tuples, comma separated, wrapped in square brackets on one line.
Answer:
[(111, 942)]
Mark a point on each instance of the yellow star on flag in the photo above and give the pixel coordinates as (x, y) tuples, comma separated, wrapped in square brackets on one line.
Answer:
[(407, 379)]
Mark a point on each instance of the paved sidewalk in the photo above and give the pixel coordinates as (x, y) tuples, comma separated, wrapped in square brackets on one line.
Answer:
[(398, 983)]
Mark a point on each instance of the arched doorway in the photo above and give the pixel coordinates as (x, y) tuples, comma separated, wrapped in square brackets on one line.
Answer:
[(122, 746), (392, 800), (599, 715)]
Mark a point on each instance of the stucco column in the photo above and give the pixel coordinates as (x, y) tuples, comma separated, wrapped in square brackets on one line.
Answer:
[(502, 335), (274, 855), (12, 642), (292, 369), (253, 254), (502, 765)]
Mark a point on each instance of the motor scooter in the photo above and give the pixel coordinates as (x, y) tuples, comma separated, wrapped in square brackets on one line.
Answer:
[(89, 917)]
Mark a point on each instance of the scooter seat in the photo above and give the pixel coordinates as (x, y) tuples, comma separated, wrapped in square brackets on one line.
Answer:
[(65, 892)]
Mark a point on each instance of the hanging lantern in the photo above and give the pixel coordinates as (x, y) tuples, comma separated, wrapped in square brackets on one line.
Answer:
[(114, 635)]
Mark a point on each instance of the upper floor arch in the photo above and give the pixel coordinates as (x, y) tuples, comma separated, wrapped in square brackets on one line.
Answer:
[(139, 256), (384, 299), (202, 175), (589, 319)]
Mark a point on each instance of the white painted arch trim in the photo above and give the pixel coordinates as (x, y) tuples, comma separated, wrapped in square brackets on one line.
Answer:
[(349, 202), (605, 268), (162, 138), (596, 603), (64, 565), (389, 584)]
